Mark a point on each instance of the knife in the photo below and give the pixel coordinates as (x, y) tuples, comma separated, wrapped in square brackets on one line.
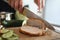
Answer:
[(53, 27), (31, 14)]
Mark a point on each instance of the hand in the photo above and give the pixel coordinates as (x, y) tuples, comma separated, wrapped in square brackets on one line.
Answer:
[(17, 4)]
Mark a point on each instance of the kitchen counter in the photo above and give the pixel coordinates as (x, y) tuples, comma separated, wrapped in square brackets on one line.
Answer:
[(50, 35)]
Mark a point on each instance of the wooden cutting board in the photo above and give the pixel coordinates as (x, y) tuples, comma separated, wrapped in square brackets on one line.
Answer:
[(50, 35)]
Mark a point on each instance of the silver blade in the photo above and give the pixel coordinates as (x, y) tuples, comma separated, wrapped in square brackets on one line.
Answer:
[(30, 14), (48, 25), (57, 29)]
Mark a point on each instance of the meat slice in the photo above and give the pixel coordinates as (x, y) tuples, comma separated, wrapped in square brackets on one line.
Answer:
[(36, 23), (31, 30)]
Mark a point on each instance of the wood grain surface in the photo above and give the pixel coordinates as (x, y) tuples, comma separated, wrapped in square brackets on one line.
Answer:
[(50, 35)]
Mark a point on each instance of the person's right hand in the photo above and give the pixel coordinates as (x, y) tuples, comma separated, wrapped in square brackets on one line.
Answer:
[(17, 4)]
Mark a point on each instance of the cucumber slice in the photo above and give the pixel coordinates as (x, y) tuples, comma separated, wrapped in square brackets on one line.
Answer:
[(8, 34), (13, 38), (0, 38), (15, 35), (4, 30)]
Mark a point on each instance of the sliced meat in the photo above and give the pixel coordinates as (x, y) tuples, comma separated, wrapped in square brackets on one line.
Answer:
[(31, 30), (36, 23)]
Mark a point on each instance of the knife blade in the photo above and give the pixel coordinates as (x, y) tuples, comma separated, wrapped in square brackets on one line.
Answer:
[(31, 14), (55, 28)]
